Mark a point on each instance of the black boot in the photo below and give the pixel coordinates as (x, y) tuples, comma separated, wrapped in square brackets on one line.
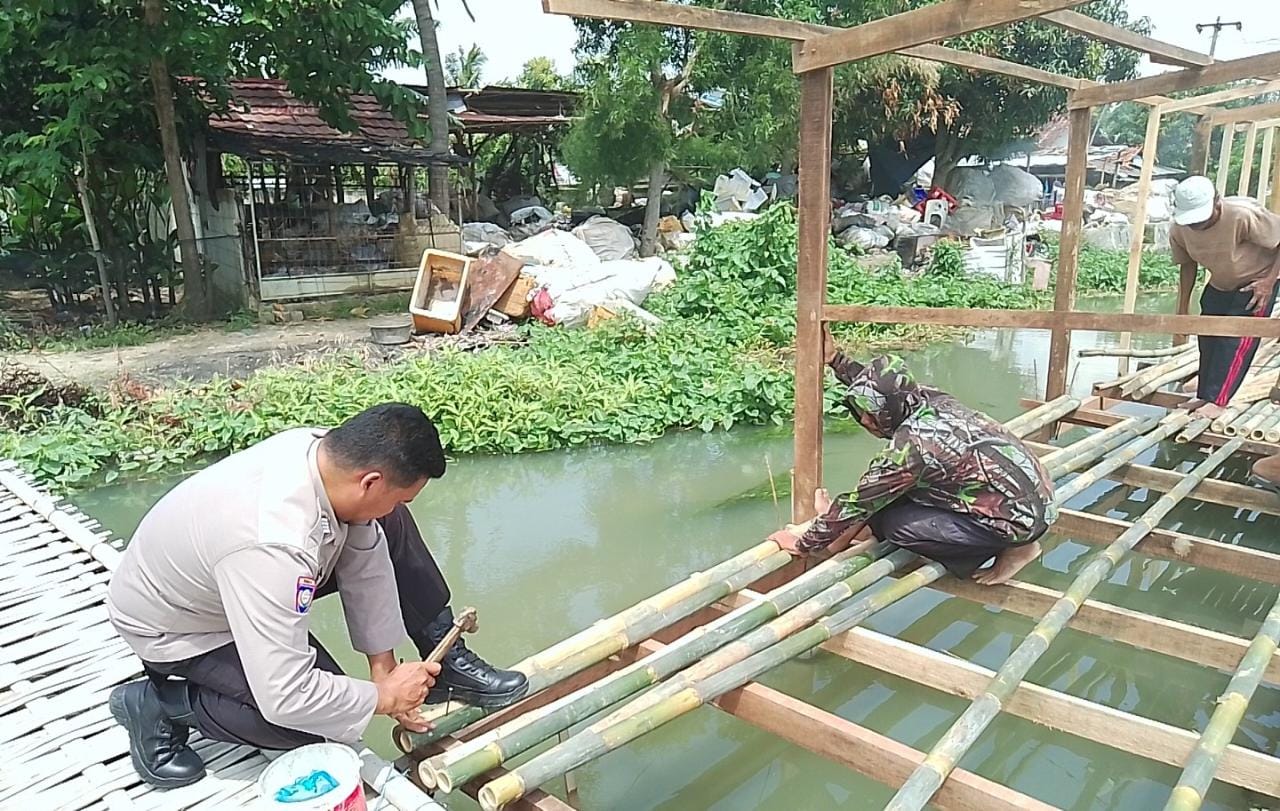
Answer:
[(158, 720), (466, 677)]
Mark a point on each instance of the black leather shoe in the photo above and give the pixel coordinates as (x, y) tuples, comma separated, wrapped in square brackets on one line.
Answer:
[(466, 677), (158, 722)]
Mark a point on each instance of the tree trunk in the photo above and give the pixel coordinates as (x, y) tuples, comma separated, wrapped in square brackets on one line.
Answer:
[(437, 102), (946, 157), (82, 186), (195, 298), (653, 208)]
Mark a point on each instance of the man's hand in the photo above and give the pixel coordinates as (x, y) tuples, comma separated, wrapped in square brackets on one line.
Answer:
[(829, 349), (402, 690), (1261, 292), (413, 721)]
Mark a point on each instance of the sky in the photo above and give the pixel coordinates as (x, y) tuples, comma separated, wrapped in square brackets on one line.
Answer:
[(511, 32)]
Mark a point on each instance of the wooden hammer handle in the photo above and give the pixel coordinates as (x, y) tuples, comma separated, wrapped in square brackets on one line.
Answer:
[(437, 654)]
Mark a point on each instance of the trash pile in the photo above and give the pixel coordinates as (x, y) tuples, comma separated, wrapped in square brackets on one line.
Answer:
[(1109, 215)]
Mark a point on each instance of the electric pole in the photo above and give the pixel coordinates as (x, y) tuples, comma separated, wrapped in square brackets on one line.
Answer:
[(1217, 27)]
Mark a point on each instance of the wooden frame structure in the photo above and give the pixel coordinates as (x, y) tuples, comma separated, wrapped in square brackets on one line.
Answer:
[(817, 49)]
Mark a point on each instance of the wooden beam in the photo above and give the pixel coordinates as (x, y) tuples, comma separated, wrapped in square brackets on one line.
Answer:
[(1223, 96), (1191, 550), (1256, 112), (814, 220), (865, 751), (1162, 53), (1234, 70), (917, 27), (1064, 294), (1264, 170), (987, 64), (1138, 228), (755, 25), (1045, 319), (1041, 705), (1127, 733), (1146, 631), (1224, 158), (1246, 165)]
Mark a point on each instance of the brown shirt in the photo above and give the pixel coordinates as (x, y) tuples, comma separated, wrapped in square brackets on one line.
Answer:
[(234, 554), (1241, 247)]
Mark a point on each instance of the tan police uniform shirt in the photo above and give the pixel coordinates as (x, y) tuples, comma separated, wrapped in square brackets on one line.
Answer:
[(234, 554), (1241, 247)]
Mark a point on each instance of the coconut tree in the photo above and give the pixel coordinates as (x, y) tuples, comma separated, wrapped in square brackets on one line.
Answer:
[(437, 100)]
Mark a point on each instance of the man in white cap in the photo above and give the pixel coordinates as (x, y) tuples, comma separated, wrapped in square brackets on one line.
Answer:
[(1238, 242)]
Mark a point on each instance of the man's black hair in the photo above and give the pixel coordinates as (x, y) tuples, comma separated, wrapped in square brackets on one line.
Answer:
[(397, 439)]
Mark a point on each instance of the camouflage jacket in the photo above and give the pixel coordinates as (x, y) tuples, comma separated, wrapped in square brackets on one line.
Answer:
[(941, 453)]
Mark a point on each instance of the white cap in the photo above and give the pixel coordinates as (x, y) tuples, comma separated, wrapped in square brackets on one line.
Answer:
[(1193, 200)]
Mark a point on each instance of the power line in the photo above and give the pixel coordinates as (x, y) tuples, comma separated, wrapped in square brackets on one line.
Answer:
[(1217, 27)]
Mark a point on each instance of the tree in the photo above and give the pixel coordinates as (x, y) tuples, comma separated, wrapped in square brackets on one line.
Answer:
[(85, 97), (540, 73), (636, 116), (437, 101), (465, 68)]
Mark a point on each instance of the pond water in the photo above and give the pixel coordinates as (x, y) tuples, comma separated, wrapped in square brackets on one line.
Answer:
[(545, 544)]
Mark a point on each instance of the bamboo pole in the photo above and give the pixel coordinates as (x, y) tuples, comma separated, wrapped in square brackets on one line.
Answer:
[(1117, 352), (1251, 428), (1231, 426), (1173, 375), (1194, 429), (942, 759), (1169, 426), (1078, 454), (688, 693), (1037, 418), (1203, 762), (1143, 376), (622, 630), (1271, 429), (463, 763)]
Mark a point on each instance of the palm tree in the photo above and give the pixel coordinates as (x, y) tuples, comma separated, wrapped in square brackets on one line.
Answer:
[(465, 68)]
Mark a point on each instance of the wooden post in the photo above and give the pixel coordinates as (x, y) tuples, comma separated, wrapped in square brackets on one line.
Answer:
[(811, 283), (1200, 146), (1275, 183), (1139, 223), (1064, 297), (1246, 164), (1264, 171), (1224, 157)]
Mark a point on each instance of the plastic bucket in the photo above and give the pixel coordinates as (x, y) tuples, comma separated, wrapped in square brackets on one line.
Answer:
[(342, 764)]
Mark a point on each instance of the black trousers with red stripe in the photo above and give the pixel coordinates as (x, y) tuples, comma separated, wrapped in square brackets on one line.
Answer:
[(1225, 361)]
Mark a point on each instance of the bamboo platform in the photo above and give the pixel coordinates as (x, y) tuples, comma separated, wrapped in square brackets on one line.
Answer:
[(60, 750), (725, 678)]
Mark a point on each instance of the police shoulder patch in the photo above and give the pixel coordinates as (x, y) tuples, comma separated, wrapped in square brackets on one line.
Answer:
[(304, 594)]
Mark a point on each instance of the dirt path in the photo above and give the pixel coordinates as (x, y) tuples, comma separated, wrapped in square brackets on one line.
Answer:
[(204, 354)]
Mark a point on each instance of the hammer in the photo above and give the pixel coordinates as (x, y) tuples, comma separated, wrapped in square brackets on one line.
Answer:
[(464, 623)]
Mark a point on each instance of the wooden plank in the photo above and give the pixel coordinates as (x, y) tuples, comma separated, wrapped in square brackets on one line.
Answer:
[(917, 27), (1200, 146), (811, 284), (736, 22), (865, 751), (1246, 165), (1224, 158), (1256, 112), (1162, 53), (1128, 733), (1146, 631), (1274, 202), (1138, 229), (1045, 319), (1064, 294), (1225, 72), (987, 64), (1202, 552), (1223, 96), (1264, 170)]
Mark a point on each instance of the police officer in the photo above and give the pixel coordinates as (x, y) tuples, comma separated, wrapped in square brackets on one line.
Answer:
[(214, 594)]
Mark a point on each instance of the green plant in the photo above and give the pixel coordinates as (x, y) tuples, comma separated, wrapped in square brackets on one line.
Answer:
[(1103, 271), (947, 260)]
